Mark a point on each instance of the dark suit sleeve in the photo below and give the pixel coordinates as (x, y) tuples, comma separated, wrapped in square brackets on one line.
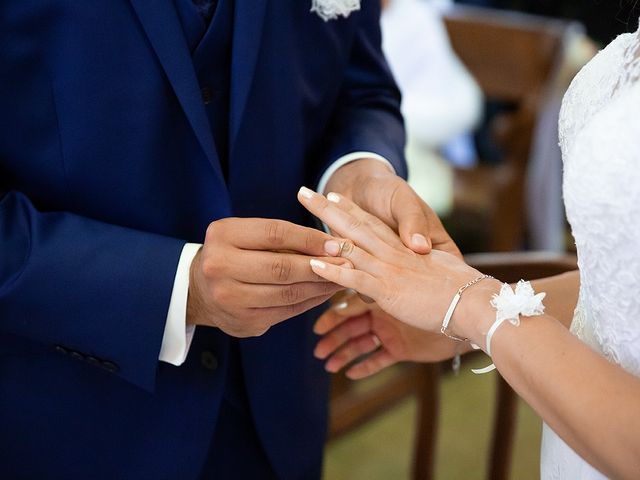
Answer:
[(367, 115), (77, 285)]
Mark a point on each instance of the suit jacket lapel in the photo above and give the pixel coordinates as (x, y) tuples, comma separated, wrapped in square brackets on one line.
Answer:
[(247, 36), (160, 23)]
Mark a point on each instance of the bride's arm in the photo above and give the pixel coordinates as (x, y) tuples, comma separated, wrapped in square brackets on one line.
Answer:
[(592, 404), (562, 295), (560, 300)]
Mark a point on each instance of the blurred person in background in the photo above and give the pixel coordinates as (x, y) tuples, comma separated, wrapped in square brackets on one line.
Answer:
[(441, 101)]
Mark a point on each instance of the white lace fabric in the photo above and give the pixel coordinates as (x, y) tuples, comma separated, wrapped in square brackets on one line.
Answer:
[(600, 140)]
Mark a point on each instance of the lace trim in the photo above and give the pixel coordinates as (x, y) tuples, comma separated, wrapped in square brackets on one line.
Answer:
[(611, 71), (631, 64), (584, 330)]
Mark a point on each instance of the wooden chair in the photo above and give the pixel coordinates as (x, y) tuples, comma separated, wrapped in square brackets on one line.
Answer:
[(513, 57)]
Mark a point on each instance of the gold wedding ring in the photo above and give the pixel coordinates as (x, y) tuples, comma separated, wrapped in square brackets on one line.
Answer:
[(345, 245)]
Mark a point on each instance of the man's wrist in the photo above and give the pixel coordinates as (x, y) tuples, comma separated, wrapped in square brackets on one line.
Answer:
[(357, 174)]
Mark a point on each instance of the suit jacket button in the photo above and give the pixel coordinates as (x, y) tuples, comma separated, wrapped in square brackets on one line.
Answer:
[(209, 360), (92, 360), (207, 95), (77, 355), (110, 367), (61, 349)]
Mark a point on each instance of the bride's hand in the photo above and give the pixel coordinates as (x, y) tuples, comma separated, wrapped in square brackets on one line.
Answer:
[(364, 339), (416, 289)]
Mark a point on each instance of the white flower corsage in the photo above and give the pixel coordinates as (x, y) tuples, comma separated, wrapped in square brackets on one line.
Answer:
[(332, 9), (509, 305)]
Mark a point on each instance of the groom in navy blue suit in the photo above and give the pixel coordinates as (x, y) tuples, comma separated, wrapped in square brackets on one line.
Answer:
[(132, 345)]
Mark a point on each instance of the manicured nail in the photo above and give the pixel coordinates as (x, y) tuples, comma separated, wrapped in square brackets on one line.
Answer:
[(318, 264), (333, 197), (341, 306), (306, 192), (332, 247), (419, 240)]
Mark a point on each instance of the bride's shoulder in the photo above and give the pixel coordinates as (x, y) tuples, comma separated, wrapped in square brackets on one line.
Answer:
[(597, 83)]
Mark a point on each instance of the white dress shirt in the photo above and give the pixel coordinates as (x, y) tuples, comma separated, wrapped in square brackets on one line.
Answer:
[(177, 334)]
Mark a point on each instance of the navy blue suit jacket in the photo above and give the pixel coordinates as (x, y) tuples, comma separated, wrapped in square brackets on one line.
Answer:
[(107, 167)]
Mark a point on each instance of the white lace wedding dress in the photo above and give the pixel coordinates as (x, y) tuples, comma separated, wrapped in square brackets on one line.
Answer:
[(600, 140)]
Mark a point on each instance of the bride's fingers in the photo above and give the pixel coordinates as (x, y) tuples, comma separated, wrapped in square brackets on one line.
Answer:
[(377, 226), (360, 281), (371, 365), (345, 224), (352, 328), (339, 313), (354, 255), (352, 350)]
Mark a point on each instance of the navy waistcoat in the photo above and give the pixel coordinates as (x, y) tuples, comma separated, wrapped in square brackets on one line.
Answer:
[(210, 46)]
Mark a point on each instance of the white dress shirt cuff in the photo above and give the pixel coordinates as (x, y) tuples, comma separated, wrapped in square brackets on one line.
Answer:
[(177, 335), (342, 161)]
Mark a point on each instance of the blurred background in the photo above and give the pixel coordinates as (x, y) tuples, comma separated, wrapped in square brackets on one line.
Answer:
[(482, 83)]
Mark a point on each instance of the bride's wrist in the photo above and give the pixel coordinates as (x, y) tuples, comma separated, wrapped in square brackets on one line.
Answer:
[(474, 315)]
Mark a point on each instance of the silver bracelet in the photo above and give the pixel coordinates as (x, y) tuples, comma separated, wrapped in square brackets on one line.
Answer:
[(454, 304)]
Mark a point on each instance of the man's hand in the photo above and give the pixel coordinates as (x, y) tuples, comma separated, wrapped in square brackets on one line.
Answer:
[(254, 273), (376, 189), (368, 340)]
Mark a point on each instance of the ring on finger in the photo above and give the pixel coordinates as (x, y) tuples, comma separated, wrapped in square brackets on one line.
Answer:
[(345, 247)]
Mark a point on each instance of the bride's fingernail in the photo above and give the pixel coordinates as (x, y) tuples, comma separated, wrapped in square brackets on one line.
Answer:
[(332, 247), (418, 240), (318, 264), (341, 306), (333, 197), (306, 192)]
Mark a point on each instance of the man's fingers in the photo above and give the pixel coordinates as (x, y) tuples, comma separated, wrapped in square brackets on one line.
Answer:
[(269, 234), (360, 281), (341, 311), (371, 365), (354, 327), (440, 239), (251, 266), (274, 315), (413, 224), (351, 351), (264, 296)]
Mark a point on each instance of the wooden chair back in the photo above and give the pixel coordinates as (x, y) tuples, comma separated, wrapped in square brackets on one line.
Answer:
[(513, 57)]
